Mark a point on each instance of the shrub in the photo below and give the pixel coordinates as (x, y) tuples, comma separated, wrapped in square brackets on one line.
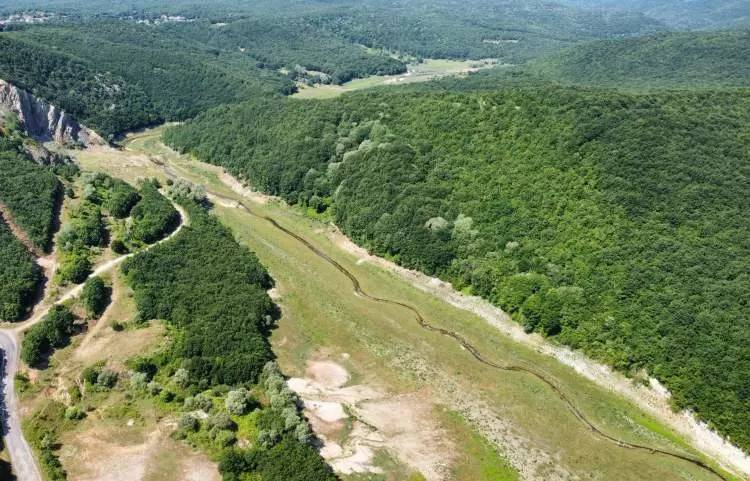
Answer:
[(74, 413), (154, 388), (119, 247), (223, 438), (75, 267), (106, 379), (96, 296), (139, 380), (54, 331), (238, 401), (188, 423), (181, 377), (90, 374), (199, 402)]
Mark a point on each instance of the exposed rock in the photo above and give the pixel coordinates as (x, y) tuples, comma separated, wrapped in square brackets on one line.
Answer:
[(42, 121), (43, 156)]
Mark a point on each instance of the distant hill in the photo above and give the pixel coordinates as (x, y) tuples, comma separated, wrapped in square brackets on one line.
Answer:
[(681, 13), (714, 59)]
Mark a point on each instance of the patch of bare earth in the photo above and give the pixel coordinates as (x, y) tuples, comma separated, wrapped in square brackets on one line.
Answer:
[(108, 453), (355, 422), (238, 188)]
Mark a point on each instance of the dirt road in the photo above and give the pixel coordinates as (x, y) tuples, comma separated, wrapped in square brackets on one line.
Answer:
[(21, 455)]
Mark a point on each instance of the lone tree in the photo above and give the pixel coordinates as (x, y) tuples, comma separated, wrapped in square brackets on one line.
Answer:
[(95, 296)]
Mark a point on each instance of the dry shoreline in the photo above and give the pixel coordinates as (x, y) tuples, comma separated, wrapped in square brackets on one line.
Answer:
[(653, 399)]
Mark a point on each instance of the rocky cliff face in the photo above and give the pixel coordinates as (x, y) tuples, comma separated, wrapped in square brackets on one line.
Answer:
[(42, 121)]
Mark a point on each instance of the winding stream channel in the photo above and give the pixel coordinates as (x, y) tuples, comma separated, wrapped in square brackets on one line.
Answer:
[(541, 376)]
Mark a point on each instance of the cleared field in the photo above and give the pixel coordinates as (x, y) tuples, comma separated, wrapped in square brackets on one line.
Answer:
[(429, 69), (494, 419)]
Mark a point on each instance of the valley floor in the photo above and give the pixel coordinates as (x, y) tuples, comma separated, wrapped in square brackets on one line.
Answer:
[(392, 401)]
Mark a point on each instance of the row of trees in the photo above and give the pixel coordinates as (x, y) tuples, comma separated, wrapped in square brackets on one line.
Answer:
[(612, 221)]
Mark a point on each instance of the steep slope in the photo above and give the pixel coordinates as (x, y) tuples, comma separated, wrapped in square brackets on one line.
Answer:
[(611, 221), (43, 121), (28, 191), (102, 101), (681, 13), (665, 60)]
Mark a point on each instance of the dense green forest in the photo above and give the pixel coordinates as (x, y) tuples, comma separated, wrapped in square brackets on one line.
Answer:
[(98, 99), (681, 14), (118, 68), (511, 30), (209, 288), (153, 216), (292, 42), (153, 75), (614, 222), (664, 60), (28, 190), (19, 276)]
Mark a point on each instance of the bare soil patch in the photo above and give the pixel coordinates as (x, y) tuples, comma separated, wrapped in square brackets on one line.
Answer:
[(355, 422), (126, 453)]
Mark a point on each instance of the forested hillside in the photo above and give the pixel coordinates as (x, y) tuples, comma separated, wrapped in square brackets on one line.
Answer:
[(614, 222), (664, 60), (96, 98), (19, 275), (511, 30), (209, 288), (28, 196), (169, 79), (120, 67), (28, 191), (681, 13)]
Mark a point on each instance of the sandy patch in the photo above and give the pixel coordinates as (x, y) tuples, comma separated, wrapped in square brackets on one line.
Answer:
[(402, 425), (240, 189), (327, 374)]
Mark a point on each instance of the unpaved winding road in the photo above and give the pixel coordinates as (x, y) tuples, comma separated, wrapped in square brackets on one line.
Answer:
[(22, 456)]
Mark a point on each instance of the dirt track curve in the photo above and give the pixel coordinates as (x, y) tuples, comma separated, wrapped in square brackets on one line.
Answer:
[(22, 456), (461, 341)]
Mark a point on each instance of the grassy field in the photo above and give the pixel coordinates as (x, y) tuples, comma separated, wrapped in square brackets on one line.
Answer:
[(429, 69), (495, 419)]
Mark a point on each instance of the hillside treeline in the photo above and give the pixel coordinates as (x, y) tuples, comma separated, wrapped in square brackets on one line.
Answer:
[(19, 276), (613, 222), (28, 194), (670, 60), (28, 190)]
